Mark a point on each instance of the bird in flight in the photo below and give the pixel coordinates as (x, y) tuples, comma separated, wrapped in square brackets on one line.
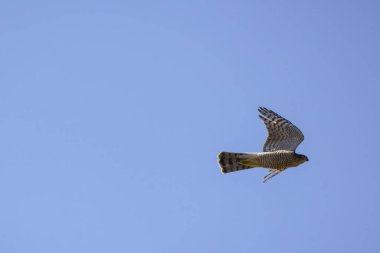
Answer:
[(279, 148)]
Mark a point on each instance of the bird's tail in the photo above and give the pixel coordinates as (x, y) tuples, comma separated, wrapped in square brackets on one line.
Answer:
[(230, 162)]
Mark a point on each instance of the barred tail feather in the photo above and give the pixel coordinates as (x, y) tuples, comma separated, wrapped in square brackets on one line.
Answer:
[(230, 162)]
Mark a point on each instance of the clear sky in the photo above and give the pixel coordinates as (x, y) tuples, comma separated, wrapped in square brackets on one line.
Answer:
[(112, 114)]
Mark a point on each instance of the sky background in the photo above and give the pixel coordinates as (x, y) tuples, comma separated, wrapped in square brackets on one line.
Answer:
[(112, 114)]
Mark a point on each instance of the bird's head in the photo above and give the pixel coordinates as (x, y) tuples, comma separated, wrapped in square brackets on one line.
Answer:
[(303, 158)]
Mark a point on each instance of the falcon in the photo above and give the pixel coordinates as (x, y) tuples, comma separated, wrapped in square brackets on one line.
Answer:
[(279, 149)]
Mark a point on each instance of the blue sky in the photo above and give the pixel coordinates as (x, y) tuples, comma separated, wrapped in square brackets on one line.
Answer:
[(112, 114)]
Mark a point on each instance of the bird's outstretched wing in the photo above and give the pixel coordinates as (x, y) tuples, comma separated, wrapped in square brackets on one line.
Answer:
[(282, 134), (272, 173)]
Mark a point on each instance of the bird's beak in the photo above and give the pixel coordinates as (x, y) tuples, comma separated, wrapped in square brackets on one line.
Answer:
[(307, 159)]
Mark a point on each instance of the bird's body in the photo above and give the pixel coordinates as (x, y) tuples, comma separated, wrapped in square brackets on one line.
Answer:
[(272, 160), (279, 149)]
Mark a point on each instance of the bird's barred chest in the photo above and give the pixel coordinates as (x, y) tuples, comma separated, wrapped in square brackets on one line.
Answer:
[(277, 160)]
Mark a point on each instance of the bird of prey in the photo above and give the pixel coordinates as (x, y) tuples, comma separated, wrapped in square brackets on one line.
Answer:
[(279, 148)]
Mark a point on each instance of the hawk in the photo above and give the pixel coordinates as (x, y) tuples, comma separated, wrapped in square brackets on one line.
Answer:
[(279, 148)]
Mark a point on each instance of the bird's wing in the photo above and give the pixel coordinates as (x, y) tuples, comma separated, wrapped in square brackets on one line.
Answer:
[(282, 134), (271, 174)]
